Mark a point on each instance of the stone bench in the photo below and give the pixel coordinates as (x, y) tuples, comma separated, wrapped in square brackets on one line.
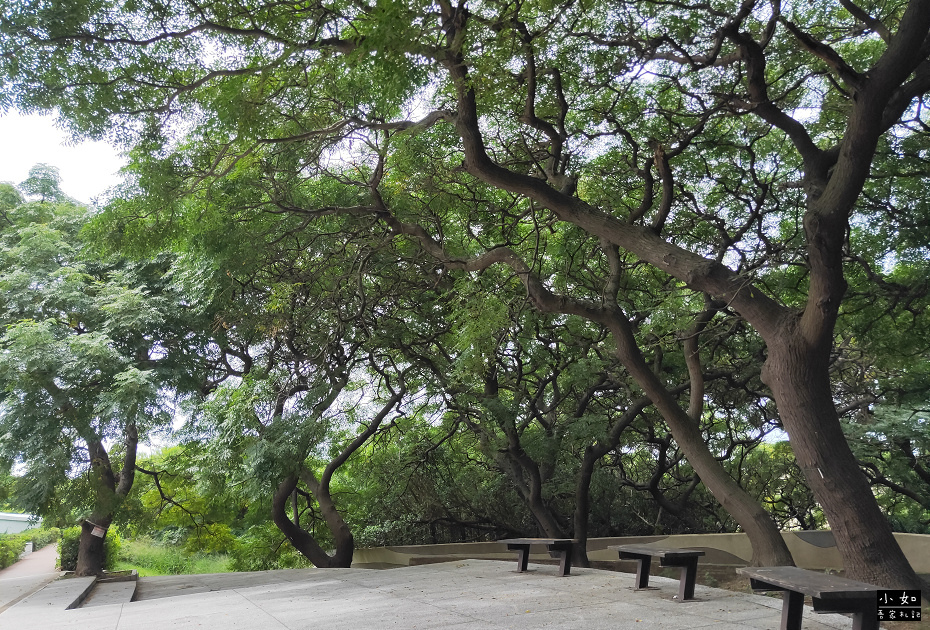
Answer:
[(560, 548), (830, 593), (687, 559)]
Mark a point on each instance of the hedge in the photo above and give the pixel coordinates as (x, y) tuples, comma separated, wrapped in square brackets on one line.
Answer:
[(13, 545)]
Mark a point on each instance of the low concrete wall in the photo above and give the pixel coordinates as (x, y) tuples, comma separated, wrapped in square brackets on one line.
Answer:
[(811, 550)]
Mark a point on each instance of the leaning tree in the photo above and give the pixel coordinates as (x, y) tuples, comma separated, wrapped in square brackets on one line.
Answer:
[(719, 144)]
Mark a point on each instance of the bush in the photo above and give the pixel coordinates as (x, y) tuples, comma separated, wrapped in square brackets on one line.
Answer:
[(111, 550), (261, 549), (69, 545), (68, 548), (11, 548), (13, 545), (44, 537)]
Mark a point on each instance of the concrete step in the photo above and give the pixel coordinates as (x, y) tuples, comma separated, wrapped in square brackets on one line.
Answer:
[(110, 588), (105, 593), (62, 594)]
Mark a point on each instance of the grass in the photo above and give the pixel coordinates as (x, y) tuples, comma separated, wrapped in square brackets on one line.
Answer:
[(150, 558)]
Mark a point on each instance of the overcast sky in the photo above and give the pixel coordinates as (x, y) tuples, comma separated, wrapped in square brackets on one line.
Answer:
[(87, 169)]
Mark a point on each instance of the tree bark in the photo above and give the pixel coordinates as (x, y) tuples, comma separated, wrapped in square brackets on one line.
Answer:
[(342, 535), (110, 490), (768, 546), (302, 540), (319, 488), (524, 472), (798, 377), (593, 454), (91, 553)]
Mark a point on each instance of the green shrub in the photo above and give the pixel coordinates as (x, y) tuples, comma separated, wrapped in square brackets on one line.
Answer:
[(215, 538), (11, 548), (43, 537), (13, 545), (68, 548), (69, 544), (261, 549), (111, 550)]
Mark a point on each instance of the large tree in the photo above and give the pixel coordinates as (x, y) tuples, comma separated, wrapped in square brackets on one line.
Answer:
[(718, 144), (305, 376), (92, 350)]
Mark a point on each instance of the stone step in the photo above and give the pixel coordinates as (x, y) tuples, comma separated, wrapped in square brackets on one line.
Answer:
[(105, 593)]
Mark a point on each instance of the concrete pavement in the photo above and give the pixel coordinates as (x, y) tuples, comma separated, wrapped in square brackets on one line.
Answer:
[(469, 594), (27, 576)]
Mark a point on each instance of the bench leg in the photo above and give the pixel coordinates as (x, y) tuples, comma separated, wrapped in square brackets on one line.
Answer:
[(643, 563), (523, 556), (792, 609), (865, 621), (687, 580), (863, 611), (565, 560)]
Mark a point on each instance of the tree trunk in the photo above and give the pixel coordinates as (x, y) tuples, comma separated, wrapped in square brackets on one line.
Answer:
[(524, 472), (583, 506), (302, 540), (768, 546), (90, 560), (342, 535), (319, 488), (592, 454), (799, 378), (109, 491)]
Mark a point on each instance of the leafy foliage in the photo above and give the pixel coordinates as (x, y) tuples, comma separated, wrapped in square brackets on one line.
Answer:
[(390, 186)]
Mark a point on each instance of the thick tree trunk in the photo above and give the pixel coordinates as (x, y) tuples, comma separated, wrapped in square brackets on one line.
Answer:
[(583, 506), (592, 454), (343, 539), (110, 490), (319, 488), (91, 557), (524, 473), (799, 378), (522, 470), (546, 518)]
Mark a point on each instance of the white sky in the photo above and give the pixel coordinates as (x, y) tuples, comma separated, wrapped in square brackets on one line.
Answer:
[(87, 169)]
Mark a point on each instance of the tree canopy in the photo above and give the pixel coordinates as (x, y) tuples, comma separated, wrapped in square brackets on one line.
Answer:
[(655, 171), (93, 352)]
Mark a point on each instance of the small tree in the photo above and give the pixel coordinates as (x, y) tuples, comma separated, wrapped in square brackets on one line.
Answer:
[(43, 182)]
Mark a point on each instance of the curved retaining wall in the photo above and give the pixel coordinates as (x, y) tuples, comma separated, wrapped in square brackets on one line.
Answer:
[(811, 550)]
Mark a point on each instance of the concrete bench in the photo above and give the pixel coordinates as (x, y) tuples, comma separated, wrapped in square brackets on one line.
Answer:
[(687, 559), (560, 548), (830, 593)]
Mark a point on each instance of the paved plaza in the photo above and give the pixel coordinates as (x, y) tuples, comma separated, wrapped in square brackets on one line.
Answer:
[(469, 594)]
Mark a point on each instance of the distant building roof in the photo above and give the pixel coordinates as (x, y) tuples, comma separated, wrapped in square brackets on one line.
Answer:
[(9, 516)]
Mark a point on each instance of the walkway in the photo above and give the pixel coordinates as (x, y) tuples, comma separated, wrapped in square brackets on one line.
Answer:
[(465, 595), (27, 576)]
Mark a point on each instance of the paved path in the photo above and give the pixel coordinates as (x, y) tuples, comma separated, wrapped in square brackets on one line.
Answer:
[(27, 576), (464, 595)]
